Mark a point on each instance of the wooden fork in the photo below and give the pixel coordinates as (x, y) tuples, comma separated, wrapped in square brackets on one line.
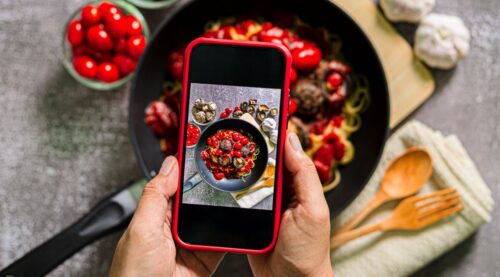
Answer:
[(412, 213)]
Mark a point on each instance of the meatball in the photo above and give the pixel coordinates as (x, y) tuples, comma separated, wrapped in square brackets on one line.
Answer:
[(309, 96), (245, 150), (226, 145)]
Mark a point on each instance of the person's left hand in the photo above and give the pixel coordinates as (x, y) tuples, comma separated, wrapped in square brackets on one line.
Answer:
[(147, 247)]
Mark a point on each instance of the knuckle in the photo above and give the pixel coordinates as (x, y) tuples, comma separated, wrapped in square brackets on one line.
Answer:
[(150, 189)]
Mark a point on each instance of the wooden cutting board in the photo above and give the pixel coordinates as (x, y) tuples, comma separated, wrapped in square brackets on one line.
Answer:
[(410, 83)]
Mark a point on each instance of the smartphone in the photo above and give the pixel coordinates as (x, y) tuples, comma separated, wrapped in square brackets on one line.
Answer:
[(233, 126)]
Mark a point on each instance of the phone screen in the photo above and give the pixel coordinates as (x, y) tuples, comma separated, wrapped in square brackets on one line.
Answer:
[(230, 156)]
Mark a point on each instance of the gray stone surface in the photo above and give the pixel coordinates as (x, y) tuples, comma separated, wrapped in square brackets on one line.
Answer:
[(223, 96), (63, 147)]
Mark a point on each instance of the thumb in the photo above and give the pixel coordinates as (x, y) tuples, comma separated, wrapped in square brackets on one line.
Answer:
[(153, 205), (306, 184)]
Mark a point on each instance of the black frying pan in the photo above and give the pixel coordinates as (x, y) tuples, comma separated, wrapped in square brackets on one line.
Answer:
[(182, 23), (228, 185)]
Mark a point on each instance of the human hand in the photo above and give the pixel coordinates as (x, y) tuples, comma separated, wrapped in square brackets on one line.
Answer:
[(303, 246), (147, 247)]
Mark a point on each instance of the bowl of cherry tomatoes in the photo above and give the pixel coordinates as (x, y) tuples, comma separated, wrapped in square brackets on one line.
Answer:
[(192, 136), (102, 43)]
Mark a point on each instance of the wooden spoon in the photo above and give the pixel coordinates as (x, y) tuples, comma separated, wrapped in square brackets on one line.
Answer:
[(405, 176), (413, 213)]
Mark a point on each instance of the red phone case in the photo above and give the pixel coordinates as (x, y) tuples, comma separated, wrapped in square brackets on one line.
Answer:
[(283, 124)]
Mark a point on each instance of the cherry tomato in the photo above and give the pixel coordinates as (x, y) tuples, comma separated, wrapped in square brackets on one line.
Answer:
[(306, 58), (218, 175), (106, 7), (228, 110), (236, 136), (293, 75), (219, 135), (121, 46), (125, 64), (218, 152), (334, 80), (204, 155), (238, 154), (108, 72), (237, 108), (237, 146), (273, 34), (115, 24), (75, 33), (244, 141), (99, 39), (136, 45), (224, 115), (134, 26), (85, 66), (90, 15)]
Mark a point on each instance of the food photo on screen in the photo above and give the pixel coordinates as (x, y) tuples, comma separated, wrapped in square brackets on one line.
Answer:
[(230, 153)]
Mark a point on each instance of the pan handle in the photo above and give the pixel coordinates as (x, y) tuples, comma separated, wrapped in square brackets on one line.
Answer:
[(111, 214), (192, 182)]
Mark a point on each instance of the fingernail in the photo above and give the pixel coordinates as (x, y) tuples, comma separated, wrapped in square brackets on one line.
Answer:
[(295, 143), (167, 166)]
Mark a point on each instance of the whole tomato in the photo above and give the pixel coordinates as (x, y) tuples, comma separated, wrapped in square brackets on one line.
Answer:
[(306, 58), (85, 66), (334, 80), (274, 35), (108, 72), (136, 45), (75, 33), (115, 24), (134, 26), (90, 15), (99, 39), (125, 64), (106, 7)]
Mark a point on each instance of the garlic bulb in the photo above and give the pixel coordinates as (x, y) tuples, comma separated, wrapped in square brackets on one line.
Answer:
[(268, 125), (273, 136), (441, 40), (406, 10)]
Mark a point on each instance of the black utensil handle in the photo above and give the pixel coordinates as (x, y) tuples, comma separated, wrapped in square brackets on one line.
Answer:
[(192, 182), (111, 214)]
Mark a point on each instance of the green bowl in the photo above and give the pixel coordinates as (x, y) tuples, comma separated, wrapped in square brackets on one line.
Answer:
[(67, 57)]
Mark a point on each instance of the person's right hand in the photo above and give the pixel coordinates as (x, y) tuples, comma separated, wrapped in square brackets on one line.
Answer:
[(303, 246)]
